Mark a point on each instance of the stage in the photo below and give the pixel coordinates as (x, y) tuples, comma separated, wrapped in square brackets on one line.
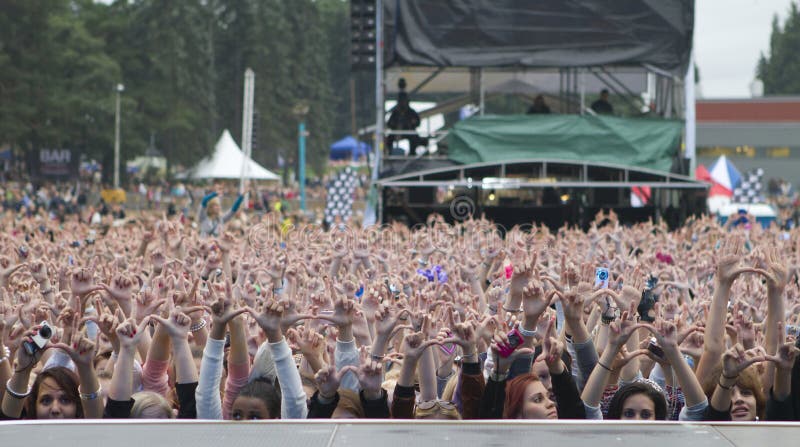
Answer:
[(386, 433)]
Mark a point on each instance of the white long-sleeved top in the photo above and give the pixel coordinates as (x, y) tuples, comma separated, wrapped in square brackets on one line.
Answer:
[(347, 354), (209, 405), (293, 397)]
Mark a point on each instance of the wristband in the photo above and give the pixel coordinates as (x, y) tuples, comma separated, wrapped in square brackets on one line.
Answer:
[(15, 394), (527, 333), (196, 327), (731, 377), (727, 388), (604, 366), (91, 396)]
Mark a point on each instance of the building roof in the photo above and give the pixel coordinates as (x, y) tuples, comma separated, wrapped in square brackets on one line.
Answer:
[(778, 109)]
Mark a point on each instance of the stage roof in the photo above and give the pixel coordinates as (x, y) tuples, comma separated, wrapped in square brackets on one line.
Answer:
[(540, 33)]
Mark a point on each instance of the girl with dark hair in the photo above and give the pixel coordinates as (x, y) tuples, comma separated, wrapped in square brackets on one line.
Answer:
[(639, 400), (642, 399), (54, 395), (57, 392), (259, 399)]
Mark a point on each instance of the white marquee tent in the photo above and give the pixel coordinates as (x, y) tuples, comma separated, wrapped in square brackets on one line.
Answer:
[(226, 163)]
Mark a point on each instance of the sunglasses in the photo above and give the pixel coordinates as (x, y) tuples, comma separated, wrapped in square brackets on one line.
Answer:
[(429, 404)]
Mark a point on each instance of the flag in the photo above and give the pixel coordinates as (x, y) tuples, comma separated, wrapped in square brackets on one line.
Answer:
[(340, 195)]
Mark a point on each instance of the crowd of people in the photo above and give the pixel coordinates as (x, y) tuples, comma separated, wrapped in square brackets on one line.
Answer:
[(158, 319)]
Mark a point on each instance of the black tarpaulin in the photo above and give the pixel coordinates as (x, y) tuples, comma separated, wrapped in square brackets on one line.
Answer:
[(539, 33)]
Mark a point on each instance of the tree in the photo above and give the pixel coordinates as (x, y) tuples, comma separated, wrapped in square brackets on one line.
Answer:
[(778, 71), (56, 81)]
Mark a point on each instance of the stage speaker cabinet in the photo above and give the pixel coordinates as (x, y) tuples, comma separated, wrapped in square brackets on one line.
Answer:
[(422, 196)]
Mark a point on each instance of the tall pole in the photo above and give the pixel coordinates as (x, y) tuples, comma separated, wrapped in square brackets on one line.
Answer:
[(302, 163), (120, 89), (379, 112), (371, 215), (688, 88), (247, 125)]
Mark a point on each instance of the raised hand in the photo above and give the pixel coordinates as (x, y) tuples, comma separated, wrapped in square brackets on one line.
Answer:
[(177, 325), (552, 349), (785, 357), (80, 349), (307, 340), (777, 273), (343, 312), (328, 380), (736, 359), (414, 344), (730, 256), (121, 288), (370, 378), (223, 308), (387, 318), (291, 316), (83, 282), (620, 332), (501, 364), (146, 304), (465, 336), (269, 319), (7, 268), (534, 300), (38, 270)]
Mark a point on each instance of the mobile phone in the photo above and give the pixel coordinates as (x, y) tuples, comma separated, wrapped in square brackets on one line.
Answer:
[(601, 277), (448, 348), (792, 330), (515, 339), (23, 251), (656, 350)]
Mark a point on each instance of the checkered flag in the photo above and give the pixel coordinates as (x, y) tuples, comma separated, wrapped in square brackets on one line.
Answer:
[(340, 195), (750, 189)]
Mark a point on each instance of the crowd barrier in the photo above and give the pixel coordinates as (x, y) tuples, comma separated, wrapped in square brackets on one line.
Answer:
[(403, 433)]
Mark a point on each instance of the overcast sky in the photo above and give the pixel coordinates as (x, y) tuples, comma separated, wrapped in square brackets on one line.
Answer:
[(729, 36)]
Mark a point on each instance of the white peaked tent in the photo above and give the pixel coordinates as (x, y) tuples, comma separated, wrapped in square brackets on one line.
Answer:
[(226, 163)]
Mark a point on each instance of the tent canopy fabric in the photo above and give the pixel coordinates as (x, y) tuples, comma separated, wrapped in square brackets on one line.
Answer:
[(226, 163), (639, 142), (540, 33), (701, 173), (349, 147), (725, 174)]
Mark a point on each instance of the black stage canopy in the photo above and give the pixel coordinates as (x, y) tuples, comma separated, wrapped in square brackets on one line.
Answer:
[(540, 33)]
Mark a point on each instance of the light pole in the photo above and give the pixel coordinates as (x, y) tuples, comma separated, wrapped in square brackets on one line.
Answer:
[(300, 111), (120, 89)]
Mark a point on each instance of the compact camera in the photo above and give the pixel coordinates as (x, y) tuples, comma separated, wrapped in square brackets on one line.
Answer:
[(39, 340), (515, 339), (601, 277), (649, 299)]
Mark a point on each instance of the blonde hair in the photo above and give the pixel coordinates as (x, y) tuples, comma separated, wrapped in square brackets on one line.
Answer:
[(436, 410), (150, 405), (450, 388)]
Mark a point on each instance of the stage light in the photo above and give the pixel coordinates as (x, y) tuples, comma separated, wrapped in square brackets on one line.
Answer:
[(491, 197), (564, 198)]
